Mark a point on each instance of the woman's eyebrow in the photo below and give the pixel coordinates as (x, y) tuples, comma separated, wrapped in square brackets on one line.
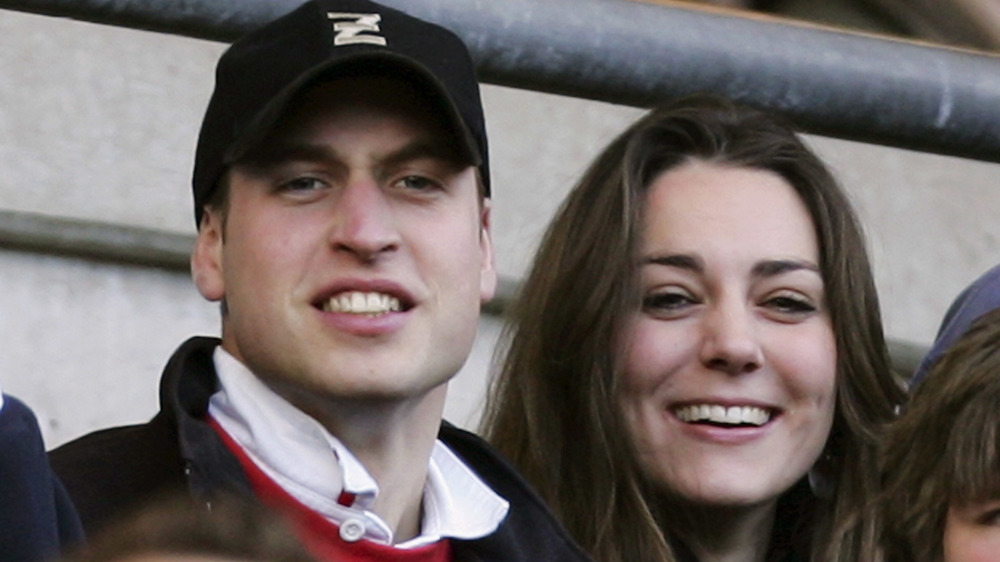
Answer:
[(770, 268), (765, 268), (681, 261)]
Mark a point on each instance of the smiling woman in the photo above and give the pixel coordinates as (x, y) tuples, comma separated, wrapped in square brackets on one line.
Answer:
[(715, 391), (727, 386)]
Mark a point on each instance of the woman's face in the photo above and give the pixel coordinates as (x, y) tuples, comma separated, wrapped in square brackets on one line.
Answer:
[(972, 532), (729, 382)]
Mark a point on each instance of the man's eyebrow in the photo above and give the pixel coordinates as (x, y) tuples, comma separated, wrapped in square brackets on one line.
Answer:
[(273, 153), (682, 261), (770, 268), (284, 151), (436, 149)]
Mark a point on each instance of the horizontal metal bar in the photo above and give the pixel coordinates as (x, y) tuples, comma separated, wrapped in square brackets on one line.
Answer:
[(95, 240), (830, 83), (112, 243)]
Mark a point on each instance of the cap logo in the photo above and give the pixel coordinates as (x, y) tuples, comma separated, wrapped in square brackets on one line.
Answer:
[(352, 29)]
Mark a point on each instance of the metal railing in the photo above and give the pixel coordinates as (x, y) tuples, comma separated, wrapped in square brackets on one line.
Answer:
[(831, 83)]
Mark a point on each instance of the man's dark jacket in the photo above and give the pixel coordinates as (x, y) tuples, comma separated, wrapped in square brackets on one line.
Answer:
[(115, 469)]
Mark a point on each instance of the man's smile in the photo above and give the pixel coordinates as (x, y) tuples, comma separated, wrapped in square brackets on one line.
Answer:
[(358, 302)]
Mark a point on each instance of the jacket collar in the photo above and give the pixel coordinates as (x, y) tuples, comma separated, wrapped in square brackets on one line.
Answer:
[(188, 383)]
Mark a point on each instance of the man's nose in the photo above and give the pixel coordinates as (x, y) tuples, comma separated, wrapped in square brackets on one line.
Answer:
[(364, 224)]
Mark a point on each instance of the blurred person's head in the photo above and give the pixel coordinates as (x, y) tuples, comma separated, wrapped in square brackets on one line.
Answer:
[(179, 530), (941, 463)]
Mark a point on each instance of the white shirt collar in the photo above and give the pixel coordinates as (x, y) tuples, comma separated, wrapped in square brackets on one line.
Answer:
[(312, 465)]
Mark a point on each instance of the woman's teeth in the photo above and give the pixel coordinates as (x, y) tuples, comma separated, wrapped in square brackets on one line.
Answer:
[(732, 415)]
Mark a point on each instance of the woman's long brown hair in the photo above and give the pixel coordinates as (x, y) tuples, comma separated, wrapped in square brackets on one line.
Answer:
[(553, 406)]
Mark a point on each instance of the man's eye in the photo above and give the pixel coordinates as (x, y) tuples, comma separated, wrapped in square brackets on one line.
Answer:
[(303, 184), (416, 183)]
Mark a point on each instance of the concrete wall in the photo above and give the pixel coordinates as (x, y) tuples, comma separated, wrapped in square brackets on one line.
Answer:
[(99, 123)]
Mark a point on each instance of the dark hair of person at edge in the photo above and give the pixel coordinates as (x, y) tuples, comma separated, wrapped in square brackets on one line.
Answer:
[(553, 407), (943, 453)]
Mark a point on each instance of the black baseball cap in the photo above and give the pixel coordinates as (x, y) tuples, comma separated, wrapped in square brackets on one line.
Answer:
[(322, 39)]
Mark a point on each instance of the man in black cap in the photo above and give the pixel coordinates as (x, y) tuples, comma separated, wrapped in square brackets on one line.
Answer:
[(341, 189)]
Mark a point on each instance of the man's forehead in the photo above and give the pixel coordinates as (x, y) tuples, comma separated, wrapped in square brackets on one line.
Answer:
[(386, 105)]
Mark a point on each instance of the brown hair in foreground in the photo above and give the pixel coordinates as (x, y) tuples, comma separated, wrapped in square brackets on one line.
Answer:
[(944, 450)]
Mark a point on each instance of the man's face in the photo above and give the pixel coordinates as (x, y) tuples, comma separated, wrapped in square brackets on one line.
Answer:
[(353, 253)]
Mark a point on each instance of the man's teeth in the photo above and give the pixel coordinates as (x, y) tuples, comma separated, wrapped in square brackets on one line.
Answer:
[(720, 414), (356, 302)]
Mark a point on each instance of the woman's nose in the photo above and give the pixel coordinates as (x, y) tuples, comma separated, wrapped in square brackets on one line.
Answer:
[(730, 343)]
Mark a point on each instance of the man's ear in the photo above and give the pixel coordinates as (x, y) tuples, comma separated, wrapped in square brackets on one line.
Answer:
[(488, 271), (206, 258)]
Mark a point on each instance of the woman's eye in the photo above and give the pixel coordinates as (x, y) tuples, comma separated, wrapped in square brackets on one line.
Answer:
[(991, 518), (666, 302), (986, 513), (791, 304)]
